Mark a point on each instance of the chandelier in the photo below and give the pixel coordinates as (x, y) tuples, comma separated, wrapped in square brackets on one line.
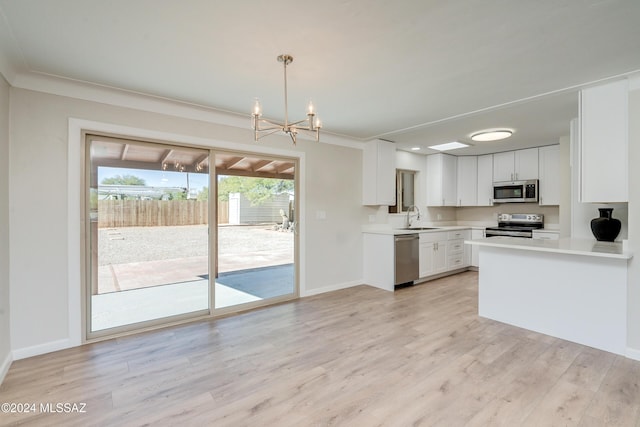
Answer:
[(263, 127)]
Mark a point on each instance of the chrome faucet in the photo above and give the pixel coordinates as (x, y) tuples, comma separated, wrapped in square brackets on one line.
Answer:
[(412, 207)]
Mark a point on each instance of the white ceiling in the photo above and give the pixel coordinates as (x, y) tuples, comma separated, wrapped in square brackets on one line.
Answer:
[(416, 72)]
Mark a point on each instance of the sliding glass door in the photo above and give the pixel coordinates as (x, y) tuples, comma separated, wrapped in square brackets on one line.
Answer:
[(152, 257), (148, 233), (256, 230)]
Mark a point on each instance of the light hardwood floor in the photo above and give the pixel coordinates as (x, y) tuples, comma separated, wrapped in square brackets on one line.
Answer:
[(356, 357)]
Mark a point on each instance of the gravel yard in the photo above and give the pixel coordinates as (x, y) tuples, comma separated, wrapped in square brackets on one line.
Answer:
[(138, 244)]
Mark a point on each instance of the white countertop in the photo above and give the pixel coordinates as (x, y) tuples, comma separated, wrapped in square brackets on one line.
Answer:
[(586, 247), (398, 231)]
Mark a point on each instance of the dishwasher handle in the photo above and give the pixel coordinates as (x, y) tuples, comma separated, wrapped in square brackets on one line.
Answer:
[(401, 237)]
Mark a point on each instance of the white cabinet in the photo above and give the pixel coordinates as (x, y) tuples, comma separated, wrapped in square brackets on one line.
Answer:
[(526, 164), (379, 260), (515, 165), (485, 180), (379, 173), (503, 166), (604, 117), (441, 180), (443, 251), (549, 168), (440, 252), (475, 234), (457, 256), (433, 253), (467, 181)]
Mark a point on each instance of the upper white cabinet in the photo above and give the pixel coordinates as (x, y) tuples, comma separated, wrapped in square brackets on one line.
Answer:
[(467, 181), (515, 165), (485, 180), (379, 173), (441, 180), (604, 116), (549, 167), (503, 166)]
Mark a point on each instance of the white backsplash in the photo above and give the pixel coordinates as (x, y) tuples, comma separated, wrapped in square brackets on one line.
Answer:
[(483, 216)]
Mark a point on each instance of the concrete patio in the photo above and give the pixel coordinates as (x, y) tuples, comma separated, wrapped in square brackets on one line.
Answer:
[(239, 287), (254, 263)]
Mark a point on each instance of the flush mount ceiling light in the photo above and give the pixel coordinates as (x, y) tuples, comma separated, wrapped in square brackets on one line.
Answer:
[(268, 127), (449, 146), (492, 135), (415, 148)]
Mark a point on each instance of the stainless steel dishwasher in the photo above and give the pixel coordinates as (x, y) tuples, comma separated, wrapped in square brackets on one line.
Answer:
[(407, 250)]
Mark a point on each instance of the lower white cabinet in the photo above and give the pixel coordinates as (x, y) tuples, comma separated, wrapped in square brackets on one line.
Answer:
[(443, 251), (433, 253), (457, 256), (439, 253)]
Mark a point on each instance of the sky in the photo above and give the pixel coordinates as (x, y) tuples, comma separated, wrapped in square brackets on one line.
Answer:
[(159, 178)]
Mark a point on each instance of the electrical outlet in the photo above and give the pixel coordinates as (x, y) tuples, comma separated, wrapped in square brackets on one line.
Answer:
[(439, 216)]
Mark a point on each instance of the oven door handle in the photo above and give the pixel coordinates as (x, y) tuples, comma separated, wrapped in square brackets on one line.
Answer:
[(491, 233)]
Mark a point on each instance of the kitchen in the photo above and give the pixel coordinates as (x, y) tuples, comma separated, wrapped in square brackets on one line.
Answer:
[(412, 72), (532, 225)]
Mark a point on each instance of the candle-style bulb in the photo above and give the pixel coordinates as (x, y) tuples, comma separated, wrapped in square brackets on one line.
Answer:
[(317, 123), (311, 109), (257, 108)]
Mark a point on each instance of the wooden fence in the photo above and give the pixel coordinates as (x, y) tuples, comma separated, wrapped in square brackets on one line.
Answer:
[(152, 213), (223, 212)]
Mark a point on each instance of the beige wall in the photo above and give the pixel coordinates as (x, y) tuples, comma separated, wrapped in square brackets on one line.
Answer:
[(40, 268), (5, 344)]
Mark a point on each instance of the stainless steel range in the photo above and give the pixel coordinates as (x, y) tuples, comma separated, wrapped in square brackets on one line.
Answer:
[(516, 225)]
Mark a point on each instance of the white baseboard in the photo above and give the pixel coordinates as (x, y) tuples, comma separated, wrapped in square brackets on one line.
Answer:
[(4, 367), (633, 353), (36, 350), (336, 287)]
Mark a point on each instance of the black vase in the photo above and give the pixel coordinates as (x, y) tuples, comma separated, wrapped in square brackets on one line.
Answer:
[(605, 228)]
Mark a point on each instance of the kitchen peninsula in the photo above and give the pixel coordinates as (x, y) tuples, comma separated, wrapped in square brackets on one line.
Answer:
[(574, 289)]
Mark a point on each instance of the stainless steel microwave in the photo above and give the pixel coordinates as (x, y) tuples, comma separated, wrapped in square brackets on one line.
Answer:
[(515, 191)]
